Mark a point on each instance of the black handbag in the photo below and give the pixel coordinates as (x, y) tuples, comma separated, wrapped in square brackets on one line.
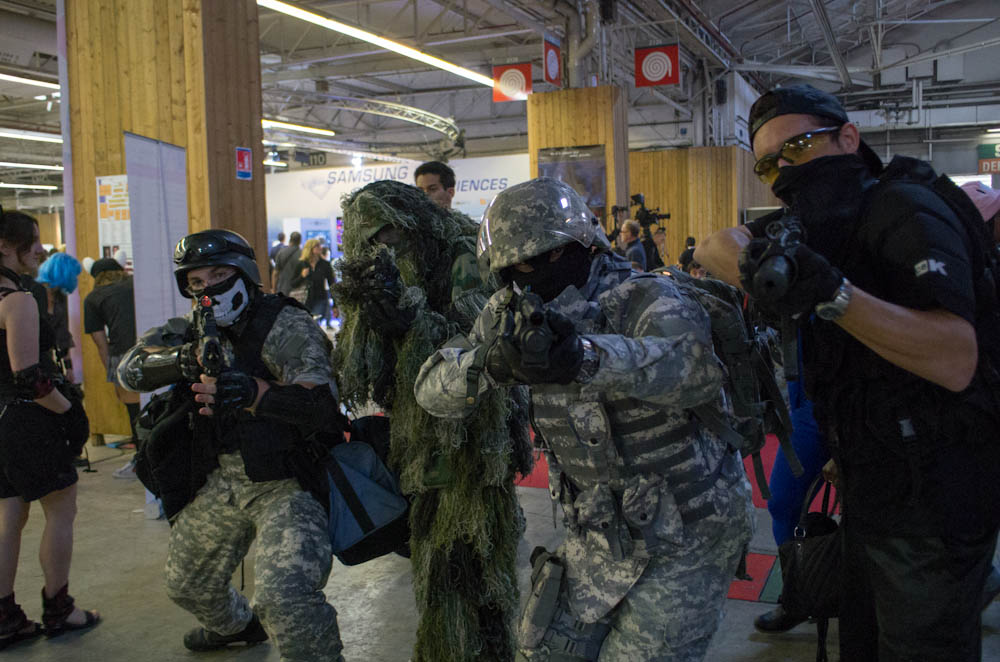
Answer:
[(810, 566)]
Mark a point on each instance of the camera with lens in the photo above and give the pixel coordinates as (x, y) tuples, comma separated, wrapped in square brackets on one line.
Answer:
[(646, 217)]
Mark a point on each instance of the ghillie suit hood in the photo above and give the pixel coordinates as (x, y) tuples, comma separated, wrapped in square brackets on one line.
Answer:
[(464, 532)]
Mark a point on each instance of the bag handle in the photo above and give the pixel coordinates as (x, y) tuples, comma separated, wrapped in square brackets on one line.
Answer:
[(828, 508)]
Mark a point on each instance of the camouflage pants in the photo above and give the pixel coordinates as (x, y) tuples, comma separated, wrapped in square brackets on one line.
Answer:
[(674, 609), (213, 533), (671, 611)]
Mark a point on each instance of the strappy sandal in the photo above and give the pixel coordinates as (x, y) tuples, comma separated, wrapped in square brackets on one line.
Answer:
[(14, 623), (58, 608)]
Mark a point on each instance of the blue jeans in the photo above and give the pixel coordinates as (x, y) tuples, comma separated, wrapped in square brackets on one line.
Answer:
[(787, 491)]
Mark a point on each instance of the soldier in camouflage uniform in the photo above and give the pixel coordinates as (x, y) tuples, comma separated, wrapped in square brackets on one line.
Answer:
[(410, 282), (240, 471), (657, 508)]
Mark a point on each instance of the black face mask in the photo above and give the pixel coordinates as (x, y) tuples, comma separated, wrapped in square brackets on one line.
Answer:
[(826, 195), (549, 279)]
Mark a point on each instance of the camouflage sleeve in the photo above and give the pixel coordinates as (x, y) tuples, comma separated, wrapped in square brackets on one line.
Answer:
[(464, 275), (664, 351), (296, 349), (170, 334), (441, 386)]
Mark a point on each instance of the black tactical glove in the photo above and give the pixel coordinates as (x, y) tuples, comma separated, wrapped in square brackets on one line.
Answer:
[(502, 358), (565, 355), (187, 362), (234, 390), (382, 310), (75, 427), (812, 278)]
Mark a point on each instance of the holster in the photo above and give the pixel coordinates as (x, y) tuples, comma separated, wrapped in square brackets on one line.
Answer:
[(540, 608), (549, 631)]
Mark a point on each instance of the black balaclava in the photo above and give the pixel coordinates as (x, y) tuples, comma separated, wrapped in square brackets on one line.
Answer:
[(826, 195), (549, 279)]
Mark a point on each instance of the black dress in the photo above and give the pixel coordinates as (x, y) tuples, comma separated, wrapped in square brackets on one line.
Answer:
[(35, 458)]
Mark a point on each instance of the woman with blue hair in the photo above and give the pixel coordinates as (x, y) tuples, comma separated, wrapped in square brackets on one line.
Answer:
[(59, 274)]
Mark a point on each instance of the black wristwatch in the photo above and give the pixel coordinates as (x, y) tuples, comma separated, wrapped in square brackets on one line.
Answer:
[(836, 307)]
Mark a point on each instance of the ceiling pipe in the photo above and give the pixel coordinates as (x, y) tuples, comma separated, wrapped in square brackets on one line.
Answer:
[(727, 46), (580, 49), (831, 41), (518, 15)]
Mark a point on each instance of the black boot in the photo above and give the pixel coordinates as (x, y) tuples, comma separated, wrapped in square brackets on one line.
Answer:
[(14, 624), (58, 608), (200, 639), (777, 620)]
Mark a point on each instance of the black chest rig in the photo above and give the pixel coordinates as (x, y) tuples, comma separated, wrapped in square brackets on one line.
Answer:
[(264, 443)]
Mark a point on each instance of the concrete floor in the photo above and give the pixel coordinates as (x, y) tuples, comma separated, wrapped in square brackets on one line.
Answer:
[(118, 569)]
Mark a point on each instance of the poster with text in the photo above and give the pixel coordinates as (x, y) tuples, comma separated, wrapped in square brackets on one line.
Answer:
[(114, 221), (583, 168)]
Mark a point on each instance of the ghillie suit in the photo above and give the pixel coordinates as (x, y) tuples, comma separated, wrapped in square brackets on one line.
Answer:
[(400, 304)]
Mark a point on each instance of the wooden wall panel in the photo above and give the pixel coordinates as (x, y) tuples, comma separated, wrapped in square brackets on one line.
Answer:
[(583, 116), (49, 230), (662, 177), (161, 69), (705, 189), (752, 192)]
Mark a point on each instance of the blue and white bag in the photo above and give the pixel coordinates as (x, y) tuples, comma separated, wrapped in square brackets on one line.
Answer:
[(369, 516)]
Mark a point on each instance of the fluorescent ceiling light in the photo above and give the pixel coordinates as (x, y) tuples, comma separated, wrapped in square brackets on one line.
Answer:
[(29, 81), (275, 124), (30, 135), (39, 187), (996, 130), (389, 45), (30, 166), (277, 164)]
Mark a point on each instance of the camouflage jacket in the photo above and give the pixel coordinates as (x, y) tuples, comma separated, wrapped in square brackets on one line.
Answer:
[(293, 350), (635, 472)]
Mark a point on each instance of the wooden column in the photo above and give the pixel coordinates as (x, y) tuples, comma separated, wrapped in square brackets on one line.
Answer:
[(704, 189), (583, 116), (186, 72)]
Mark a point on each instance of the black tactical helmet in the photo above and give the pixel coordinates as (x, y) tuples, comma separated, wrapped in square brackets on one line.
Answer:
[(210, 248)]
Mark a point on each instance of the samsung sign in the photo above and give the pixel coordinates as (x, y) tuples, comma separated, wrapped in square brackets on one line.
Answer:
[(317, 193)]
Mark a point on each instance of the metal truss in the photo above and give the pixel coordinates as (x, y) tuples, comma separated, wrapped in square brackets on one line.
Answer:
[(397, 111)]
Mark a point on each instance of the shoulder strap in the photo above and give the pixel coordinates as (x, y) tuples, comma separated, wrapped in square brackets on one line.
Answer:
[(251, 341)]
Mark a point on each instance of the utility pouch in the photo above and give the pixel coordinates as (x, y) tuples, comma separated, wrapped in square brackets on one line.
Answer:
[(650, 509), (541, 606), (597, 510)]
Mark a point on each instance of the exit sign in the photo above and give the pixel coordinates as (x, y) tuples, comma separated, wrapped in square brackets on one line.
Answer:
[(989, 158)]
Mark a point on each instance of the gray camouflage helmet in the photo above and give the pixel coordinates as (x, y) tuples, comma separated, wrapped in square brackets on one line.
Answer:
[(532, 218)]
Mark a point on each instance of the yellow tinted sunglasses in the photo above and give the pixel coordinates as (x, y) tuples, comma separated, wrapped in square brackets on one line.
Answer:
[(792, 150)]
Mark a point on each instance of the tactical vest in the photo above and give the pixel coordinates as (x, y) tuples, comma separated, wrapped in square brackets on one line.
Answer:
[(887, 428), (627, 470), (264, 444)]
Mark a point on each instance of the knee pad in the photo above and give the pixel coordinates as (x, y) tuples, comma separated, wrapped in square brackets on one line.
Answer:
[(549, 632)]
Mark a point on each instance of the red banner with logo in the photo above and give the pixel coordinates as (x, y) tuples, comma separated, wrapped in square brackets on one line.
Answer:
[(552, 62), (511, 82), (657, 65)]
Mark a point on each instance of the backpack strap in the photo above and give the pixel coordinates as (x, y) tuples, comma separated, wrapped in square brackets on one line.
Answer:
[(783, 433)]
